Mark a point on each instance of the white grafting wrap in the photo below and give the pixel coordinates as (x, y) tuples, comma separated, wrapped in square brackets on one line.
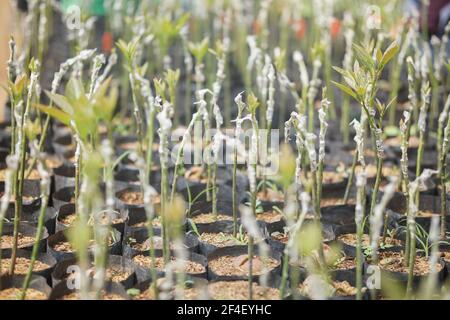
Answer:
[(271, 99), (359, 139), (405, 143), (304, 77), (323, 111), (376, 220), (444, 114), (65, 66), (422, 122), (360, 184), (348, 57)]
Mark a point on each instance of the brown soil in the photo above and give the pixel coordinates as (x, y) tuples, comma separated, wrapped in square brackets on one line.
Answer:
[(426, 213), (14, 294), (53, 162), (104, 296), (342, 289), (149, 294), (66, 246), (34, 175), (134, 145), (145, 246), (196, 174), (210, 218), (190, 266), (345, 263), (328, 202), (332, 177), (397, 141), (68, 220), (269, 216), (280, 237), (23, 241), (394, 261), (270, 195), (220, 240), (22, 265), (238, 266), (25, 199), (351, 239), (156, 223), (238, 290), (446, 256), (371, 171), (367, 153), (117, 274), (136, 198)]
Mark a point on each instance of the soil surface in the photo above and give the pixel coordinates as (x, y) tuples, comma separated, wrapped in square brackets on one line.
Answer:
[(221, 240), (394, 262), (238, 290), (338, 288), (136, 198), (146, 262), (269, 216), (351, 239), (103, 296), (22, 265), (270, 195), (210, 218), (239, 266), (14, 294), (23, 241)]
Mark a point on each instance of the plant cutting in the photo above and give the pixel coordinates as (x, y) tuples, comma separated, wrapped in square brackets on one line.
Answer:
[(361, 84)]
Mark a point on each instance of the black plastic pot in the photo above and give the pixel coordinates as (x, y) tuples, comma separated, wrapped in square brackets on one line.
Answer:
[(63, 196), (121, 205), (399, 280), (37, 282), (42, 257), (396, 209), (221, 227), (140, 236), (49, 222), (143, 273), (64, 176), (126, 177), (63, 144), (26, 229), (275, 225), (115, 248), (69, 209), (63, 288), (196, 190), (193, 282), (235, 251), (62, 272)]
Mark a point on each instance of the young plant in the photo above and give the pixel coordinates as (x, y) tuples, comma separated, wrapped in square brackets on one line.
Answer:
[(165, 126), (45, 195), (361, 84), (237, 134), (21, 118), (199, 51)]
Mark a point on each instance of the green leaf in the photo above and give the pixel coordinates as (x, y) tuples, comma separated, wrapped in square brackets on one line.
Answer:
[(55, 113), (363, 57), (61, 102), (390, 52), (346, 89), (194, 227)]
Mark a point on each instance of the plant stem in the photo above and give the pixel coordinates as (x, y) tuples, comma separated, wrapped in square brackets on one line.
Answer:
[(39, 232), (351, 177)]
